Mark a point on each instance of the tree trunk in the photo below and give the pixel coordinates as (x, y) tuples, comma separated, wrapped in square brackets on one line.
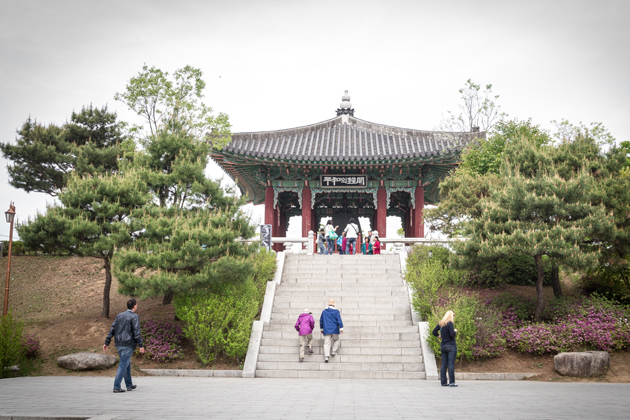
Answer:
[(106, 289), (555, 282), (167, 299), (539, 287)]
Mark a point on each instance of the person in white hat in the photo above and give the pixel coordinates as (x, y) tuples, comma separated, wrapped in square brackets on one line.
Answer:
[(304, 326), (331, 325)]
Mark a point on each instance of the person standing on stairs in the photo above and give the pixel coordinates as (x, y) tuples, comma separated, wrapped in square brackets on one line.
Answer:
[(304, 326), (448, 348), (352, 233), (331, 235), (321, 242), (331, 325)]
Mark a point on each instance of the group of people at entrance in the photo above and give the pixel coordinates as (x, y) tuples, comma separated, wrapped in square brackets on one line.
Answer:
[(347, 242), (330, 325)]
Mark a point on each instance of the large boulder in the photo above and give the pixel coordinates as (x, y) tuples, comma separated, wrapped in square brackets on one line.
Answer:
[(582, 364), (86, 361)]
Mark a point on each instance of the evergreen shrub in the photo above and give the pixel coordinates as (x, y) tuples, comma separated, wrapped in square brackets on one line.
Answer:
[(12, 351), (219, 320), (426, 275)]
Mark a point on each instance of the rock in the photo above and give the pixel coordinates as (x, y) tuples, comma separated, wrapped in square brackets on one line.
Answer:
[(586, 363), (86, 361)]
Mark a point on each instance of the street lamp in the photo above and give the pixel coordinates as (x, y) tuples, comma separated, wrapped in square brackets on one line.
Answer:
[(10, 215)]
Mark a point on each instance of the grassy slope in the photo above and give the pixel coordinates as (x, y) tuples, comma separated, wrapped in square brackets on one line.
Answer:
[(59, 299)]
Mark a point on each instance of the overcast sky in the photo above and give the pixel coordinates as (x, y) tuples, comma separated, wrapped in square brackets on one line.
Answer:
[(279, 64)]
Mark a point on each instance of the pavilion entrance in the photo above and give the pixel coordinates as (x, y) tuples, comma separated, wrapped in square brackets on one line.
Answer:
[(341, 168)]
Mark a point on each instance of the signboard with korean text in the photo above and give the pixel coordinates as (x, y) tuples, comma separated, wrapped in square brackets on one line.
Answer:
[(343, 181)]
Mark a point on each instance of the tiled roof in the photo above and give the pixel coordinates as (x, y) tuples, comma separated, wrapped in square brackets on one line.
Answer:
[(354, 140)]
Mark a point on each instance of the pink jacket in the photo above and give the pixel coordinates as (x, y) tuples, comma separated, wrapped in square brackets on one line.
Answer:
[(305, 324)]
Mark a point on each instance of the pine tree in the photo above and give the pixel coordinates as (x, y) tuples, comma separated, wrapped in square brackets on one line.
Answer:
[(182, 131), (184, 251), (91, 222), (45, 156), (536, 211)]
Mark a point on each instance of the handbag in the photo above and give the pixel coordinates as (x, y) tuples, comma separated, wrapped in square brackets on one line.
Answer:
[(332, 235)]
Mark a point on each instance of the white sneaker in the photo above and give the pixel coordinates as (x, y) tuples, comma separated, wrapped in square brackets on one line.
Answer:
[(333, 354), (326, 360)]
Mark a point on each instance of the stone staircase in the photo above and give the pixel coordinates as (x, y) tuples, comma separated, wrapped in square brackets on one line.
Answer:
[(379, 339)]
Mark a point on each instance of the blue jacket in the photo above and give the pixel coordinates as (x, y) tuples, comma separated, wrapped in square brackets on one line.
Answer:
[(330, 321)]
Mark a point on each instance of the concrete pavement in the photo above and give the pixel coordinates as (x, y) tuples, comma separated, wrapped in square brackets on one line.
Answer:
[(277, 398)]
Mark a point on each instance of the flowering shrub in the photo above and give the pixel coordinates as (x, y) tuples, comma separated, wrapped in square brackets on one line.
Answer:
[(162, 340), (591, 324), (31, 346), (488, 341)]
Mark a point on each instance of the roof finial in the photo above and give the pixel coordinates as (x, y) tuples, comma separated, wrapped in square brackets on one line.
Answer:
[(346, 107)]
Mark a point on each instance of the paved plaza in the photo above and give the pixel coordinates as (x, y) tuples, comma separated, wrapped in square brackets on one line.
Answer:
[(237, 398)]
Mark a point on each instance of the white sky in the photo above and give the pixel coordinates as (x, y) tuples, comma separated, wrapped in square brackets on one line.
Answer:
[(279, 64)]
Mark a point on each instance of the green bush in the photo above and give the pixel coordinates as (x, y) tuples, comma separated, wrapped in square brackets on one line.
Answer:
[(12, 350), (465, 308), (426, 275), (518, 269), (219, 321), (17, 248), (425, 281)]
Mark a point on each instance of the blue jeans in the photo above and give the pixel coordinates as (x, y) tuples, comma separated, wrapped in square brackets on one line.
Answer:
[(350, 245), (124, 367), (322, 248), (331, 246), (449, 353)]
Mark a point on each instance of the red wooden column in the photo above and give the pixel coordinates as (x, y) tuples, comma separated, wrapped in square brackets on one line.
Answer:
[(406, 223), (269, 205), (279, 227), (307, 212), (381, 212), (418, 220)]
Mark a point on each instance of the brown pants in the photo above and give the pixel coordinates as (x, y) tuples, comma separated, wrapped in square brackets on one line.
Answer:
[(303, 340)]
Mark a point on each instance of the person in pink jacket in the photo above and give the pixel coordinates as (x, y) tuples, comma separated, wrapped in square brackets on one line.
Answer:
[(304, 326)]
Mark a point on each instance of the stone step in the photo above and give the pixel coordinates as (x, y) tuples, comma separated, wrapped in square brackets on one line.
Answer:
[(377, 297), (381, 351), (311, 364), (347, 335), (347, 287), (342, 302), (331, 374), (350, 317), (288, 327), (345, 312), (289, 322), (343, 280), (340, 358), (289, 295), (294, 257), (347, 342), (333, 272), (339, 268)]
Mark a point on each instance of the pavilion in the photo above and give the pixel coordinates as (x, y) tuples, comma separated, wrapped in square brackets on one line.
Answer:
[(341, 168)]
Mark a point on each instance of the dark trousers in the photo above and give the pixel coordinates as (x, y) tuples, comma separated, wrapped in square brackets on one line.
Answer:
[(449, 353)]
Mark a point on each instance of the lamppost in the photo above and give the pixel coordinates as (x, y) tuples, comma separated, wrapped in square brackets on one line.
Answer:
[(10, 215)]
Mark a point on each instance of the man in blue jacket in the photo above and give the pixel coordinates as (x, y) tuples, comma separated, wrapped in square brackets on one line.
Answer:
[(126, 333), (331, 326)]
